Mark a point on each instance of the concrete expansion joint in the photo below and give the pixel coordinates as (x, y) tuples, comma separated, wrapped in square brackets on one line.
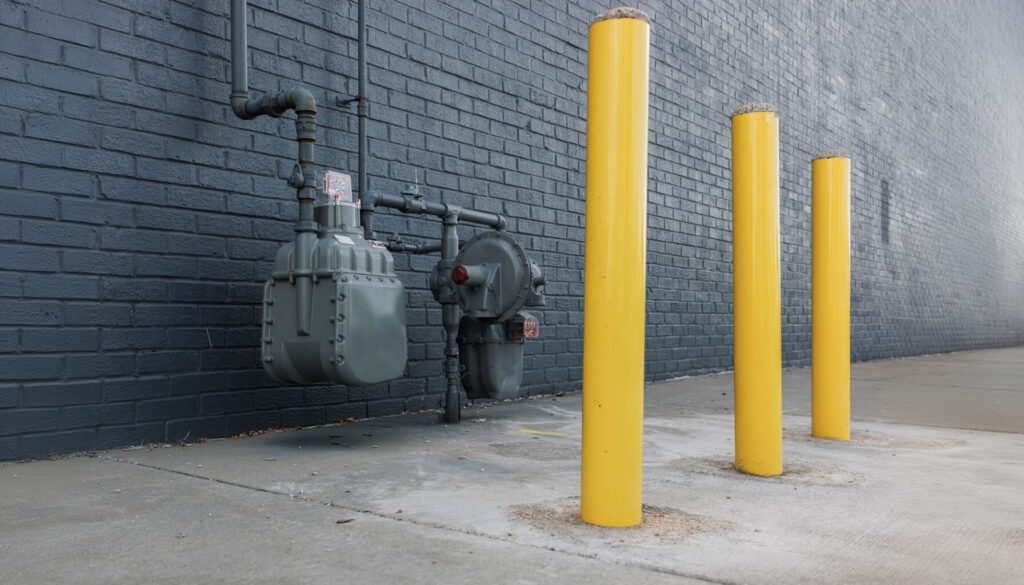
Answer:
[(621, 12), (393, 517), (751, 107)]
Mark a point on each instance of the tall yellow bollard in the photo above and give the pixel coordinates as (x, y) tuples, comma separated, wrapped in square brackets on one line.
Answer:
[(756, 297), (615, 265), (830, 289)]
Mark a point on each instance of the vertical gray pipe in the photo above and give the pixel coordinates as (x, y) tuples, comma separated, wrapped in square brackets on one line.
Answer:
[(450, 320), (239, 45), (305, 227), (363, 111)]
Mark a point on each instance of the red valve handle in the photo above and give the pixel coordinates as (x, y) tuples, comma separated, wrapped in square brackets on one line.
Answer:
[(460, 274)]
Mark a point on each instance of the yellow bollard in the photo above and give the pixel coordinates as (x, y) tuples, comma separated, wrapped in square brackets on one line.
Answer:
[(830, 289), (615, 265), (756, 297)]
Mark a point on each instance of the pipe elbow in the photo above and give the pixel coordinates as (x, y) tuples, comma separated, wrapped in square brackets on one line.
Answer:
[(301, 100), (273, 104), (238, 103)]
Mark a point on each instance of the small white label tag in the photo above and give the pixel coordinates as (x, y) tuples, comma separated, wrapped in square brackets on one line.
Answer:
[(344, 240)]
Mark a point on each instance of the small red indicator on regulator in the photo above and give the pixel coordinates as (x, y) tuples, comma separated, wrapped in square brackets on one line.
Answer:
[(522, 325), (531, 328), (460, 274)]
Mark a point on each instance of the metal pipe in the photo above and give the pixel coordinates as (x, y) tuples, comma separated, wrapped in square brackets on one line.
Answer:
[(450, 320), (482, 217), (363, 111), (306, 227), (413, 247), (239, 47), (416, 205), (271, 104)]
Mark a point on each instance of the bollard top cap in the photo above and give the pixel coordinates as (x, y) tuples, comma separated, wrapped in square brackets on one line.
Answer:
[(621, 12), (834, 153), (751, 107)]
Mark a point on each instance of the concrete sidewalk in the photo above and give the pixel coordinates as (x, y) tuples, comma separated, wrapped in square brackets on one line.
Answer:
[(929, 490)]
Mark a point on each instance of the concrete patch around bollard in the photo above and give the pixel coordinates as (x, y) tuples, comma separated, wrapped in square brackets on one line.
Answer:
[(660, 525)]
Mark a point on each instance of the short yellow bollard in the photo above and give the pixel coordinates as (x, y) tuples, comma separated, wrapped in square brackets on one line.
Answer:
[(615, 268), (757, 306), (830, 289)]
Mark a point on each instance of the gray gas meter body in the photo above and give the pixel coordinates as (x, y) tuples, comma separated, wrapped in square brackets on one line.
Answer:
[(357, 321)]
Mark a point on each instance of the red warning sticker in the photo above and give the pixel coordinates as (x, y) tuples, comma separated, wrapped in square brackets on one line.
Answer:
[(531, 328)]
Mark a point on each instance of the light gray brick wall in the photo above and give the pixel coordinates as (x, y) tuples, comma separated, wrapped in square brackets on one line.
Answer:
[(139, 217)]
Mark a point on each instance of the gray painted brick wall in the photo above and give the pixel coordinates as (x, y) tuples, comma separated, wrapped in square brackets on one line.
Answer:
[(139, 217)]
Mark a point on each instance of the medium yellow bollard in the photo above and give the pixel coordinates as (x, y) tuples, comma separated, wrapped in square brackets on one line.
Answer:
[(757, 311), (615, 268), (830, 289)]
